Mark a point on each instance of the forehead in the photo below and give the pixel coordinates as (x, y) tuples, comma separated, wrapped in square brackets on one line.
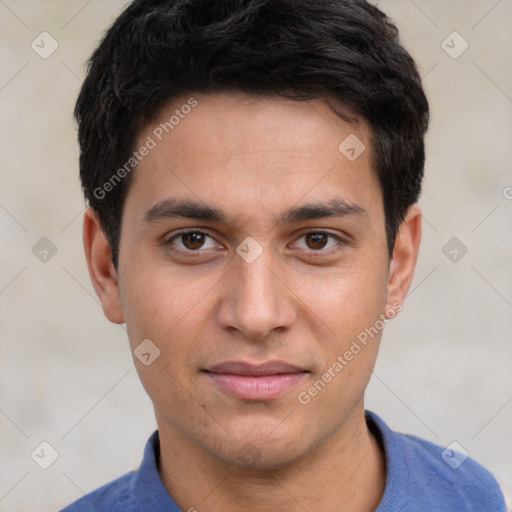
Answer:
[(254, 154), (227, 124)]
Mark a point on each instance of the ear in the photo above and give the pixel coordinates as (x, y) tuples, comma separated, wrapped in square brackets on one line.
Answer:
[(405, 254), (101, 270)]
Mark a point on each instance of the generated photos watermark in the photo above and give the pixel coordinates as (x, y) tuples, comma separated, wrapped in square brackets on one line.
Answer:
[(305, 397), (151, 142)]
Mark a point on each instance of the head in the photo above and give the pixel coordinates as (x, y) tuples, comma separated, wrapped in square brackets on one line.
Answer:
[(286, 138)]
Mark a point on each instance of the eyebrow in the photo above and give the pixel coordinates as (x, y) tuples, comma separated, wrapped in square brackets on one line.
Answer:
[(334, 208), (172, 208)]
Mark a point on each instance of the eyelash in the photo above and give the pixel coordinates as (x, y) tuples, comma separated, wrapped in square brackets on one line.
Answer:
[(199, 252)]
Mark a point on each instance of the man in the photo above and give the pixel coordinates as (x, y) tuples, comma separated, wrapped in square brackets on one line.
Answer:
[(252, 169)]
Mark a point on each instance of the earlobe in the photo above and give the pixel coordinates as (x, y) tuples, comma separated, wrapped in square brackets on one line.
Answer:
[(101, 270), (405, 254)]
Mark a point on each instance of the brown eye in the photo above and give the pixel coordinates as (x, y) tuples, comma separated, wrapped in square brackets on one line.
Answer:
[(319, 243), (194, 240), (192, 243), (316, 241)]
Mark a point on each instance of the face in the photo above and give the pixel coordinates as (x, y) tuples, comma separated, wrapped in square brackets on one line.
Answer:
[(253, 255)]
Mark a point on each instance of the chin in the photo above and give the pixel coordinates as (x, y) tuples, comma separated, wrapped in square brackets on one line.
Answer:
[(261, 453)]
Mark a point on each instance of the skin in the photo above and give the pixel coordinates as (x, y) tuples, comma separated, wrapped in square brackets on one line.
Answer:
[(298, 302)]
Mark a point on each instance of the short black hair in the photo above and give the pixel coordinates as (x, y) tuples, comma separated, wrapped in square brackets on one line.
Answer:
[(342, 50)]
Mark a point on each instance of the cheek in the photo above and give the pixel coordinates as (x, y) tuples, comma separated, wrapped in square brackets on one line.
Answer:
[(170, 308), (347, 309), (346, 301), (164, 308), (164, 304), (347, 305)]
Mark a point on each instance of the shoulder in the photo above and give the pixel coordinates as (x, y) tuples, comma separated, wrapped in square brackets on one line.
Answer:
[(116, 496), (456, 477), (426, 476)]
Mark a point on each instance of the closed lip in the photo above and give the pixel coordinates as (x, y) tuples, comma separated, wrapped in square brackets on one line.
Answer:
[(255, 370), (255, 382)]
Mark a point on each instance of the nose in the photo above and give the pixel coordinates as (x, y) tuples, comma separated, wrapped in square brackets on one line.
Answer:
[(257, 299)]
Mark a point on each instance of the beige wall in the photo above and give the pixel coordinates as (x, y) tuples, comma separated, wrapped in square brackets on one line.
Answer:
[(66, 373)]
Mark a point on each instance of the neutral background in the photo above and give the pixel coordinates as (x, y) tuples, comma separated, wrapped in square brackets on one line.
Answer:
[(66, 373)]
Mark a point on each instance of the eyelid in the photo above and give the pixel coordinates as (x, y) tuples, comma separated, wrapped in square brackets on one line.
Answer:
[(185, 231), (175, 234)]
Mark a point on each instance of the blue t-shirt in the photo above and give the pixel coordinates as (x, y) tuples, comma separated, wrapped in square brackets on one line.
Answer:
[(421, 477)]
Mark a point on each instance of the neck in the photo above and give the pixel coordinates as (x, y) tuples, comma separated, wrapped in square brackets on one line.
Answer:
[(346, 472)]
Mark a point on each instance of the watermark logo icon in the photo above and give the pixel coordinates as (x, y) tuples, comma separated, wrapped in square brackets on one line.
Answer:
[(454, 455), (146, 352), (249, 249), (44, 455), (454, 249), (44, 45), (454, 45), (44, 250), (249, 455), (352, 147)]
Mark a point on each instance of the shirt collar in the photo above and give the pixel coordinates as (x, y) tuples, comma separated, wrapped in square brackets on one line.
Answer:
[(149, 490)]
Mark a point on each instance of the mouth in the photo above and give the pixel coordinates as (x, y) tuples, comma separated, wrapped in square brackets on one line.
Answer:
[(255, 382)]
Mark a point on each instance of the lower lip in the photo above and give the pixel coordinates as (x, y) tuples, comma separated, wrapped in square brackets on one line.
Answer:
[(248, 387)]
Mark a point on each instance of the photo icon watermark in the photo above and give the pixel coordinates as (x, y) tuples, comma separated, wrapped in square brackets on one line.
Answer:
[(249, 455), (44, 45), (44, 455), (352, 147), (454, 45), (454, 249), (44, 250), (249, 250), (147, 352), (454, 455)]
